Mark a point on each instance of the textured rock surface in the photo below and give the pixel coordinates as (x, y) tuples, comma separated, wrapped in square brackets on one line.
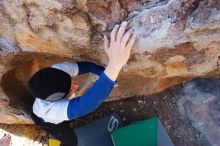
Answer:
[(23, 135), (178, 40), (200, 103)]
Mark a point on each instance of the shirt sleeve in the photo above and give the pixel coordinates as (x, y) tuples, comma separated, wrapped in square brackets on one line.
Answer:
[(78, 68), (89, 67), (91, 99), (69, 67), (52, 112)]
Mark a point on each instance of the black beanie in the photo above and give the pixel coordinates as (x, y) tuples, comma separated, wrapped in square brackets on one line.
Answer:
[(50, 81)]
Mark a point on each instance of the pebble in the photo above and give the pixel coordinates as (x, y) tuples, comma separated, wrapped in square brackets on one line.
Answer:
[(121, 111), (141, 102), (124, 119), (134, 109)]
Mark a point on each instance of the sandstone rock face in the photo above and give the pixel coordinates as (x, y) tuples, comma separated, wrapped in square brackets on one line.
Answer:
[(177, 40), (199, 102)]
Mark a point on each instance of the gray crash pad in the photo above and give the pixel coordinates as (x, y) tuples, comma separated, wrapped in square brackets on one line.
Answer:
[(98, 133)]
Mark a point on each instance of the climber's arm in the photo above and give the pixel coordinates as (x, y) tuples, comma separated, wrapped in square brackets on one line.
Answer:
[(91, 99), (77, 68), (89, 67), (118, 51)]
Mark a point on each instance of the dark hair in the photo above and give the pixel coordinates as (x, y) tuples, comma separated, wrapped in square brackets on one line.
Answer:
[(49, 82)]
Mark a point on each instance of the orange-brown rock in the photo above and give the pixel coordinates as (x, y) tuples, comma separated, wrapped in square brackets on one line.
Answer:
[(178, 40)]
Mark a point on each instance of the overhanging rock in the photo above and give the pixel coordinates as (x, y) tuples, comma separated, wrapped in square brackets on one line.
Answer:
[(177, 40)]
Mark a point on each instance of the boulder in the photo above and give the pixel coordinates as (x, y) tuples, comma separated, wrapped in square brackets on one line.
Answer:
[(178, 40), (199, 103)]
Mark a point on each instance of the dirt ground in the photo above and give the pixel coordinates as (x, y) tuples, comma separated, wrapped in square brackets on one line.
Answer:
[(162, 105), (132, 109)]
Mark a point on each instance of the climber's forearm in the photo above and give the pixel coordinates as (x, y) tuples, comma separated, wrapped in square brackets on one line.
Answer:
[(89, 67), (91, 99), (77, 68), (112, 71)]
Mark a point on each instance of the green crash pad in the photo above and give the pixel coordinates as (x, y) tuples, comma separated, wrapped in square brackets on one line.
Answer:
[(149, 132)]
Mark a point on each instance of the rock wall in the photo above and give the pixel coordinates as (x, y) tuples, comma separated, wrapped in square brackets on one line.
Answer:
[(199, 103), (177, 40)]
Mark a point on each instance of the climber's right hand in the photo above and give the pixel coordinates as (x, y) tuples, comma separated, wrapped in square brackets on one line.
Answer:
[(118, 49)]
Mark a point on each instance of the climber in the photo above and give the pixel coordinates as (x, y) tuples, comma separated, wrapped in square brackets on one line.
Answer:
[(54, 89)]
